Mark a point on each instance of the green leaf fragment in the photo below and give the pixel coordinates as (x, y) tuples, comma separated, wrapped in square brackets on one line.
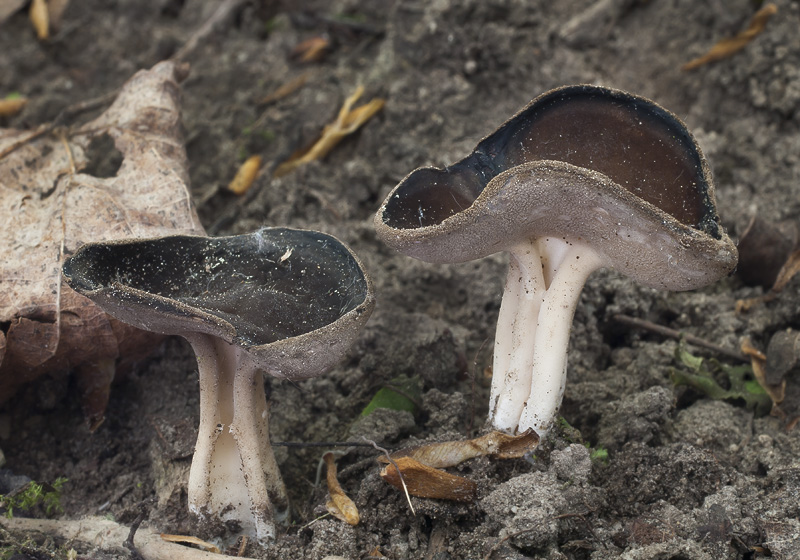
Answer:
[(401, 393), (702, 377)]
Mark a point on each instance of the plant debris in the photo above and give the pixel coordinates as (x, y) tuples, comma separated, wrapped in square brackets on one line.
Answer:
[(339, 505), (401, 393), (450, 453), (284, 90), (51, 209), (741, 381), (12, 105), (188, 539), (311, 50), (732, 45), (348, 121), (423, 481), (421, 465), (245, 175)]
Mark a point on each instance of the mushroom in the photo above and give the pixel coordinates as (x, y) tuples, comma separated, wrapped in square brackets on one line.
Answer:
[(283, 301), (583, 177)]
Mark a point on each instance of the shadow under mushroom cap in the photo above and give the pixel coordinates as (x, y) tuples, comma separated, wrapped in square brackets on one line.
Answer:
[(584, 163), (253, 290)]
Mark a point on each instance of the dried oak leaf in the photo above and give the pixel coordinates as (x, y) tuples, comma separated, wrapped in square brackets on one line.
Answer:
[(50, 209)]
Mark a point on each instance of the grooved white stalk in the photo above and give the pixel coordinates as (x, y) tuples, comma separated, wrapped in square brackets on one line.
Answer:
[(234, 474), (543, 286)]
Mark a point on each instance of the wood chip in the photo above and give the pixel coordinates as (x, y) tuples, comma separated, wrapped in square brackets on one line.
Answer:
[(732, 45)]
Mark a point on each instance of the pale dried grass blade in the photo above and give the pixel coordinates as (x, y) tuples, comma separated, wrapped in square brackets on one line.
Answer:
[(732, 45), (348, 121)]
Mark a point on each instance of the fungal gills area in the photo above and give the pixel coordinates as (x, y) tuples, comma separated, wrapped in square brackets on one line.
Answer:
[(637, 144), (543, 286), (234, 475)]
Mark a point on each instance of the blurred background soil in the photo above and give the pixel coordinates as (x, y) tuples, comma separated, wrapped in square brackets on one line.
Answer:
[(685, 476)]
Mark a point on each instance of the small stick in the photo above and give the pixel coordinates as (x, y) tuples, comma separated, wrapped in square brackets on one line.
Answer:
[(223, 10), (678, 335), (129, 541)]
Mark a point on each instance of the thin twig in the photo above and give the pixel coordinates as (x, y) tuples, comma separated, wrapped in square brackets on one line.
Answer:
[(397, 468), (222, 12), (678, 335), (129, 541)]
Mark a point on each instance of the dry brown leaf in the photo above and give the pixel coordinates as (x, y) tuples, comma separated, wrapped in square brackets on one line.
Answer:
[(732, 45), (348, 121), (40, 19), (10, 107), (340, 505), (187, 539), (51, 209), (245, 175), (451, 453), (427, 482)]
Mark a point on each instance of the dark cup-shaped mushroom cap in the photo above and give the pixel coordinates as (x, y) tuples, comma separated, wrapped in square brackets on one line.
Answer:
[(294, 299), (583, 163)]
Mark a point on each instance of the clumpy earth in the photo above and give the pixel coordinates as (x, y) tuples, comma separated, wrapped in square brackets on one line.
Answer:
[(686, 477)]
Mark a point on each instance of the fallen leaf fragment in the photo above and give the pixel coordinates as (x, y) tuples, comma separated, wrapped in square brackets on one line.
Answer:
[(376, 553), (40, 19), (348, 121), (285, 90), (340, 505), (50, 209), (188, 539), (732, 45), (423, 481), (757, 361), (451, 453), (10, 106), (245, 175)]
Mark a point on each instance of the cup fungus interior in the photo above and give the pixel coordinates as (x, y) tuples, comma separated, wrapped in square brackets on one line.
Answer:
[(270, 285), (640, 146)]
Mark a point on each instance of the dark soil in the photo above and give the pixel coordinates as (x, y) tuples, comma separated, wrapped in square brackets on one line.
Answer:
[(686, 477)]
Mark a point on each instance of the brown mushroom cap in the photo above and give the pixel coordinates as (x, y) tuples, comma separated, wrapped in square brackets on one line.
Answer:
[(586, 164), (294, 299)]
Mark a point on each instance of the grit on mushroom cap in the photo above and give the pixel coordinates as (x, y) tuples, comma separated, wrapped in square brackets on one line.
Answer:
[(587, 163), (283, 301)]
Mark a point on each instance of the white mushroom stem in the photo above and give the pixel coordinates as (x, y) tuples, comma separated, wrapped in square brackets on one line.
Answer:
[(544, 283), (234, 475)]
